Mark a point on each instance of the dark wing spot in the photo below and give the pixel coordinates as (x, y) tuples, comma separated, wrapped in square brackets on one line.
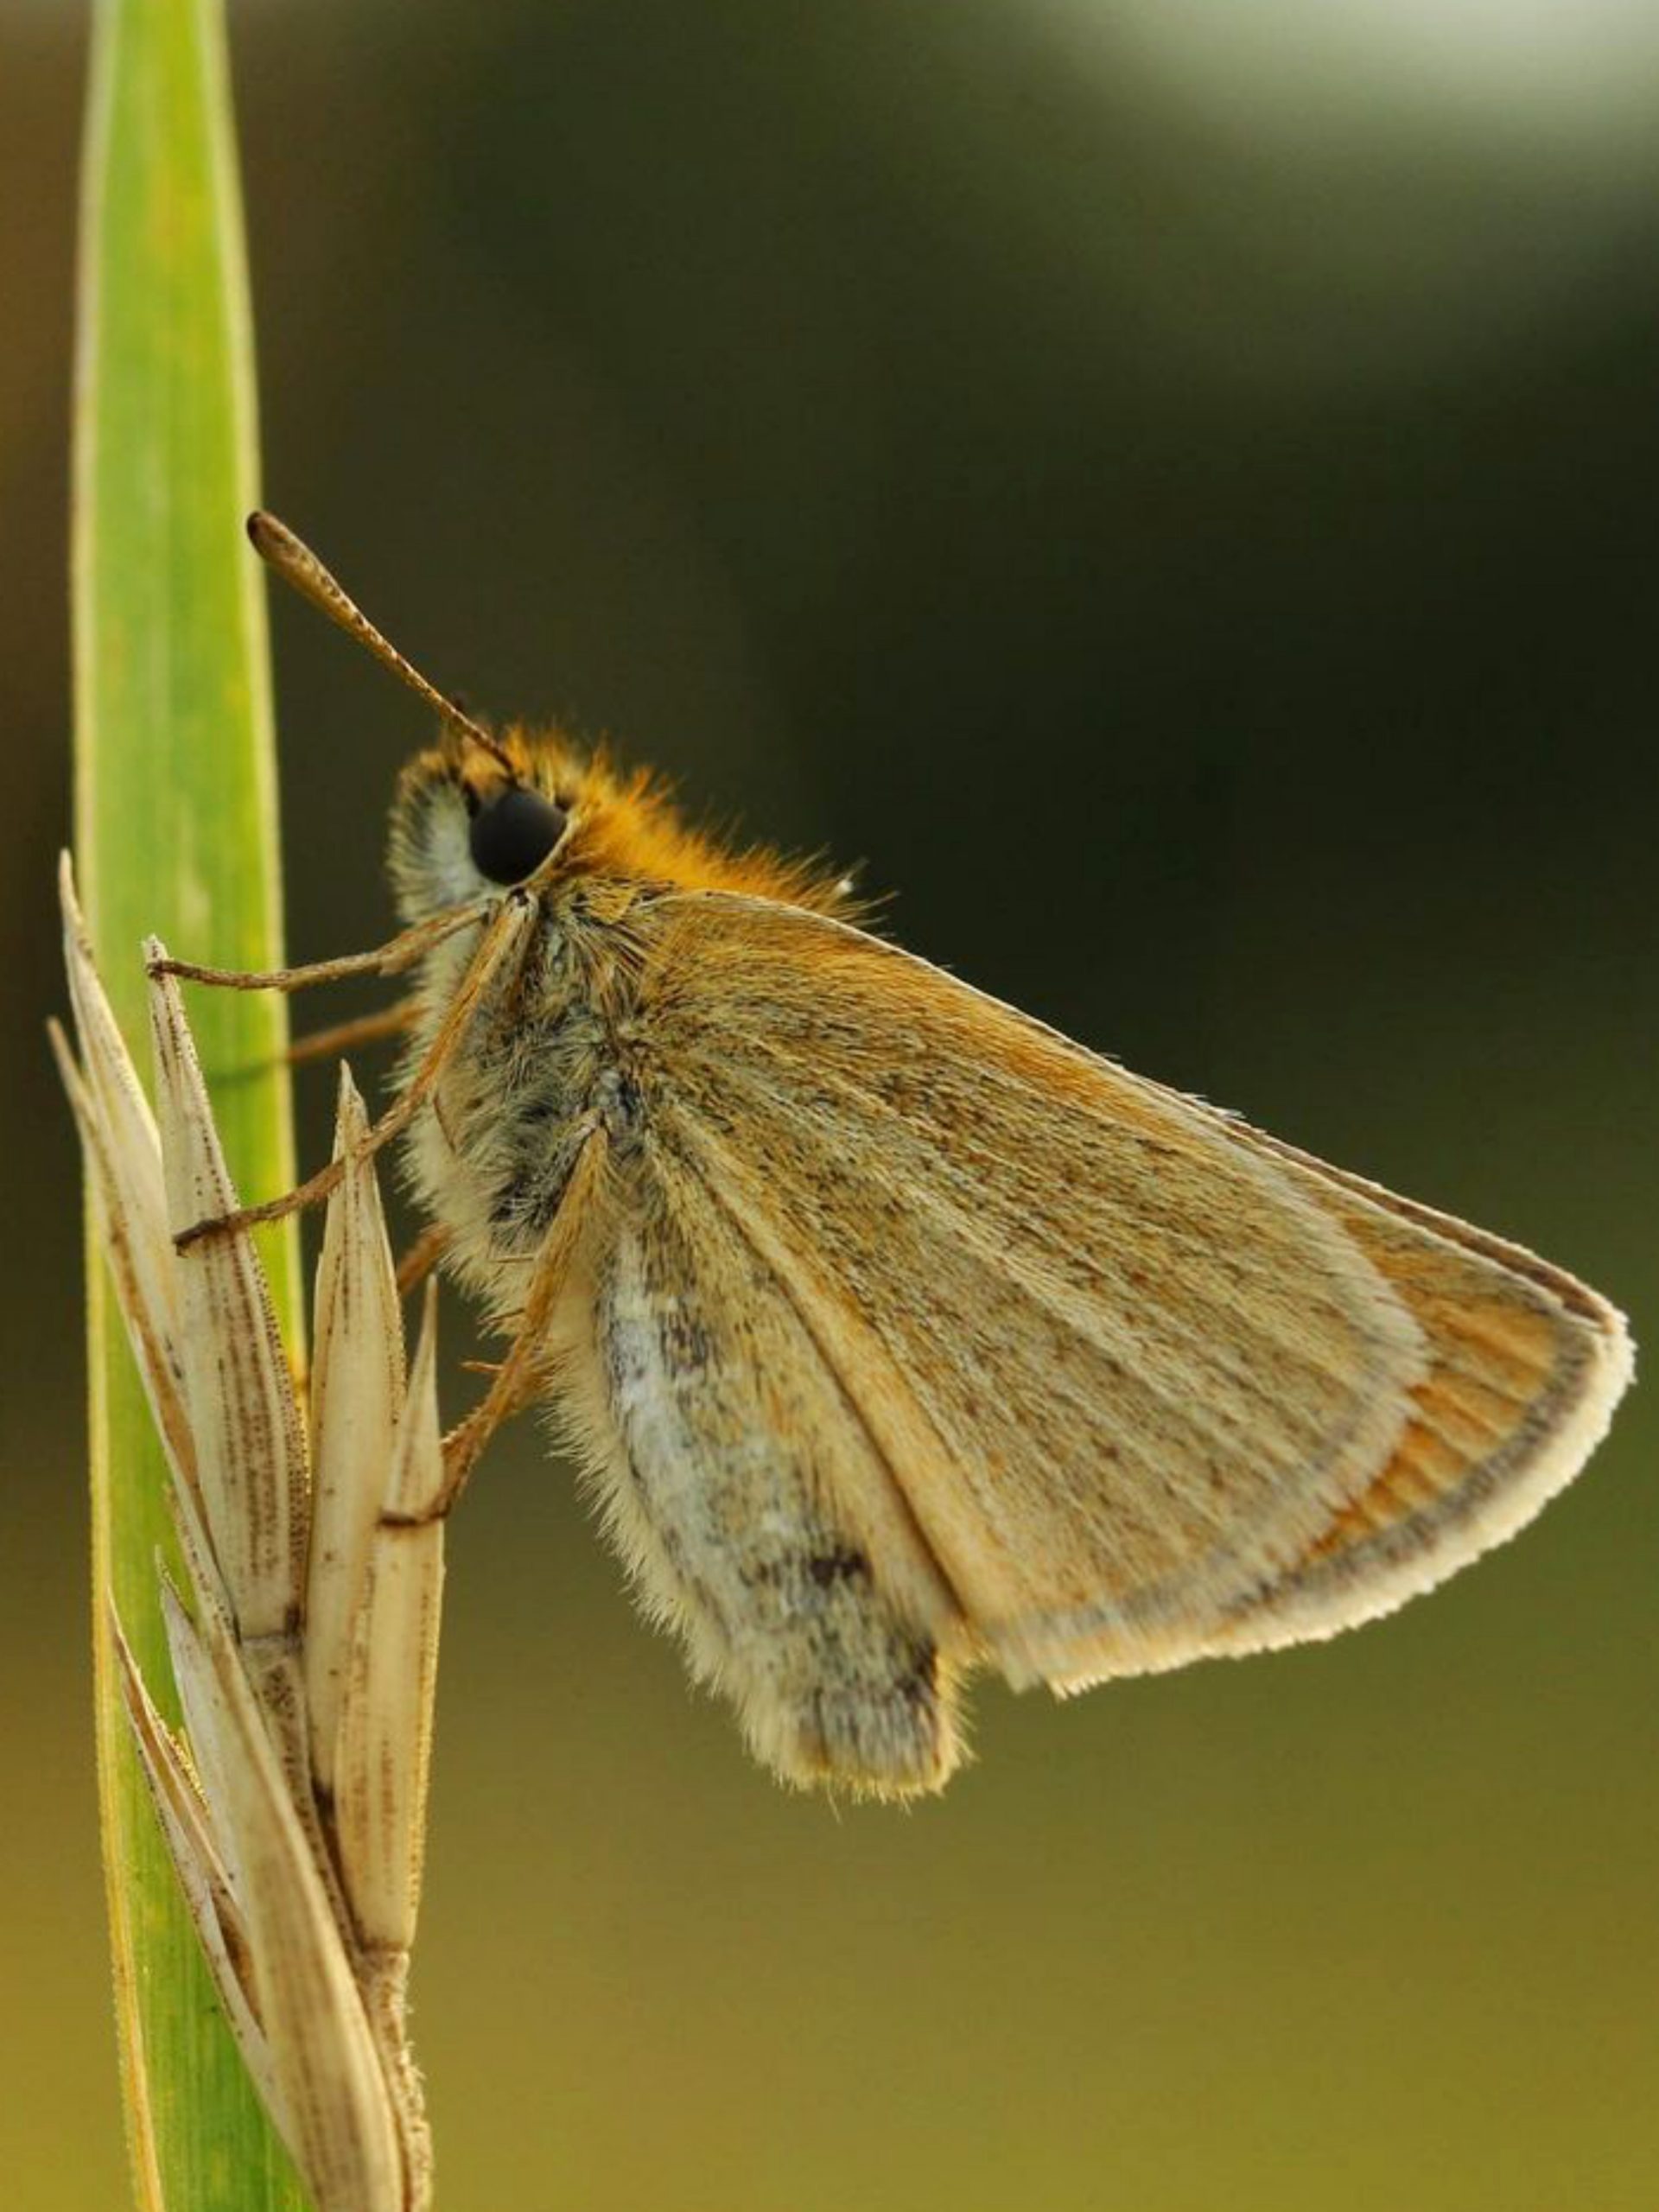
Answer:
[(844, 1564)]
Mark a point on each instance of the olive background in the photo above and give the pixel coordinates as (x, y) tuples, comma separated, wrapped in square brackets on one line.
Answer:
[(1171, 488)]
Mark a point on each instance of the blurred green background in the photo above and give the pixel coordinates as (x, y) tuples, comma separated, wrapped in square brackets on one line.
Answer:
[(1172, 486)]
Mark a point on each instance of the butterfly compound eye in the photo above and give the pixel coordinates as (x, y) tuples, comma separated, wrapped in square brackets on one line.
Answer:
[(513, 833)]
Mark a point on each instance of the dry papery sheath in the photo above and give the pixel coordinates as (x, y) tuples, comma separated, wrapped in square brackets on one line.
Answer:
[(304, 1648)]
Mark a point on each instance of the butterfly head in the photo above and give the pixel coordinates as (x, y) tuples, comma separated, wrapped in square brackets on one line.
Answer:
[(484, 810), (465, 821), (536, 809)]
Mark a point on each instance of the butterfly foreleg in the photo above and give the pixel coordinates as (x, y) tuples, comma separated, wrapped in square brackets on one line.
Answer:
[(395, 958), (501, 941)]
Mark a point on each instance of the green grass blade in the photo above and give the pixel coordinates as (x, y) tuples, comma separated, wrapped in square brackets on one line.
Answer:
[(177, 832)]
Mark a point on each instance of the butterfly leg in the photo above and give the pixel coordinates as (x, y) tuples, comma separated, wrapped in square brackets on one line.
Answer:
[(342, 1036), (501, 940), (522, 1376), (422, 1257), (402, 953)]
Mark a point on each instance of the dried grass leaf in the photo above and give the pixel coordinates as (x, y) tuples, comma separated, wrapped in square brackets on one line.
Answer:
[(386, 1738), (331, 2091), (203, 1876), (250, 1443), (124, 1162), (356, 1392)]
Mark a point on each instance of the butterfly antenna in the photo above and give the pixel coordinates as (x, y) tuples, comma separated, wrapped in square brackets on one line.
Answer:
[(296, 564)]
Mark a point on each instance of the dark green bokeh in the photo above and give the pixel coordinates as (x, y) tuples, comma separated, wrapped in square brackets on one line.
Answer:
[(1202, 556)]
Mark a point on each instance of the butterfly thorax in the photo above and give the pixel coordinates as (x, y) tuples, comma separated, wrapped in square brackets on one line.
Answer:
[(547, 1056), (552, 1049)]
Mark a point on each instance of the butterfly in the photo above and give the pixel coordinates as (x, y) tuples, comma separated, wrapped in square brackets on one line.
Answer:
[(896, 1334)]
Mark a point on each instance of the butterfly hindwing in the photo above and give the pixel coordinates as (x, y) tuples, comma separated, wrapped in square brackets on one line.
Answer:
[(741, 1484)]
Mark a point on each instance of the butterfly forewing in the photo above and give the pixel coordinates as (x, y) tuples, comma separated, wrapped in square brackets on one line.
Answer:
[(1147, 1386), (1526, 1366)]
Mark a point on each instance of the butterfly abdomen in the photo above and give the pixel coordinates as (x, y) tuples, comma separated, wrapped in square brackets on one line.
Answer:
[(523, 1089)]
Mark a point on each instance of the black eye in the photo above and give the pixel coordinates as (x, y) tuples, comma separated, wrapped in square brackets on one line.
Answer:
[(513, 833)]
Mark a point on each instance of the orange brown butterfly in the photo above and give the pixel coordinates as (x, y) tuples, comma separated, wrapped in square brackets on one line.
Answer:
[(896, 1334)]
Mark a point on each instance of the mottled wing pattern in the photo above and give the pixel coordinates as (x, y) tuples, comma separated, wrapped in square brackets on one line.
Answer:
[(1087, 1378)]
